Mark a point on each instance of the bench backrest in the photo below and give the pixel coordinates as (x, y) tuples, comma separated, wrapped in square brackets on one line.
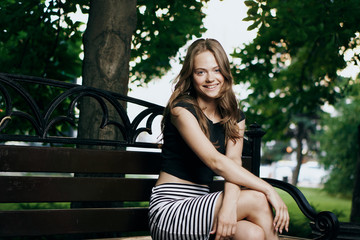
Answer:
[(66, 188), (62, 177), (53, 181)]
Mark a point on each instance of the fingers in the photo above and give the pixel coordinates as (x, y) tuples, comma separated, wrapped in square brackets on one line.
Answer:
[(287, 223), (233, 230), (225, 231), (213, 230), (281, 219), (219, 232), (224, 234)]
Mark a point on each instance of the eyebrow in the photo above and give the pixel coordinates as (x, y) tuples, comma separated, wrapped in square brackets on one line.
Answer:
[(202, 68)]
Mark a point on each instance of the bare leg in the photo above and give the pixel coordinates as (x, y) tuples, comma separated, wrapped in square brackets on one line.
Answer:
[(246, 230), (253, 207)]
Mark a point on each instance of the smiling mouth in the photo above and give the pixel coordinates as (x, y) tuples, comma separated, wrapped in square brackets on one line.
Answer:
[(211, 86)]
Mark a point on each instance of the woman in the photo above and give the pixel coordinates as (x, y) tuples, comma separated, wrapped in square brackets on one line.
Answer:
[(203, 133)]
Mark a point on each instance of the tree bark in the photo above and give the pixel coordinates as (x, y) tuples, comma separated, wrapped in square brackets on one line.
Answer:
[(355, 209), (299, 155), (107, 45)]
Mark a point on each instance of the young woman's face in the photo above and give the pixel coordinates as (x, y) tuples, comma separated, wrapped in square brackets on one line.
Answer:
[(207, 78)]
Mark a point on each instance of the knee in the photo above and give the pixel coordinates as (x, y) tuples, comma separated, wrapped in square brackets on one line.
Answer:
[(259, 197), (260, 200), (255, 233)]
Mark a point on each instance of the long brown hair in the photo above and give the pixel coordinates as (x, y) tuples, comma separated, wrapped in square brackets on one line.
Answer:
[(185, 92)]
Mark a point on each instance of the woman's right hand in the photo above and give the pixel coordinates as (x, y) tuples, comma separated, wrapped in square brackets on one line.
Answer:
[(282, 217), (225, 224)]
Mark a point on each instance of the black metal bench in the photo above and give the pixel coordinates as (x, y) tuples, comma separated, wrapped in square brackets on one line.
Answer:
[(52, 173)]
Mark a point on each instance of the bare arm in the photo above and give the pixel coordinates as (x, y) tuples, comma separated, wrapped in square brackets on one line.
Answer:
[(225, 224), (192, 134), (234, 152), (222, 165)]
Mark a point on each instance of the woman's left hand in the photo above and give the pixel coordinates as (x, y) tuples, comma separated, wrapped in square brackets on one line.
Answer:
[(282, 218), (225, 224)]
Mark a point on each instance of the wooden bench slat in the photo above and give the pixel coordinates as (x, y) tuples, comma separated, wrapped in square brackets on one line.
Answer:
[(72, 221), (72, 160), (70, 189), (69, 160), (64, 189)]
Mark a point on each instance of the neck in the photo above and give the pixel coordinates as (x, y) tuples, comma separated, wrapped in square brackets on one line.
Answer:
[(209, 108)]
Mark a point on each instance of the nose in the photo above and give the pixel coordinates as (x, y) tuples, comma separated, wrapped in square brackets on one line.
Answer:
[(210, 77)]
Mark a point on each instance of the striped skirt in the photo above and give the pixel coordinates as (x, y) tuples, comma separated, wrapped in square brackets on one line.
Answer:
[(181, 211)]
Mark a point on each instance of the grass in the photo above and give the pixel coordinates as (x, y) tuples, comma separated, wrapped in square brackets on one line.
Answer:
[(320, 201), (19, 206)]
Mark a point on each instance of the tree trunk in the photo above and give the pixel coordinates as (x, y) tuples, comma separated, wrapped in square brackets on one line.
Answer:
[(299, 155), (355, 209), (107, 44)]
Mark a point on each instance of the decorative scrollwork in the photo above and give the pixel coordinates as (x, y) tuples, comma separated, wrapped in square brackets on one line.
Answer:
[(16, 103), (327, 224)]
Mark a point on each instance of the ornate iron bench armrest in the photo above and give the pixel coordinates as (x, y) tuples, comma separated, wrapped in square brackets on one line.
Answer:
[(326, 223)]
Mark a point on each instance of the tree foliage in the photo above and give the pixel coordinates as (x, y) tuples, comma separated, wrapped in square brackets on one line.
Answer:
[(339, 143), (292, 65), (39, 37), (163, 28)]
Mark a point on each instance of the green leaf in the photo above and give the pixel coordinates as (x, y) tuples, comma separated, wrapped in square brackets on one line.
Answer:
[(254, 25), (253, 10), (22, 34), (250, 3), (249, 18)]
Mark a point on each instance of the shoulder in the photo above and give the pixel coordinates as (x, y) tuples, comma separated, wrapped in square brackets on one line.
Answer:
[(182, 118), (184, 105)]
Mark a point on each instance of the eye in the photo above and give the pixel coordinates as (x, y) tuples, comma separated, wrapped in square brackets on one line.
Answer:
[(199, 73), (217, 70)]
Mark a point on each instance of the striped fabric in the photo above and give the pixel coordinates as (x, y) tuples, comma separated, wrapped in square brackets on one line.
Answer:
[(181, 212)]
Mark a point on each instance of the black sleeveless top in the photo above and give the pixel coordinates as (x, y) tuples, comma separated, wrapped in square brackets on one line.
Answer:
[(177, 157)]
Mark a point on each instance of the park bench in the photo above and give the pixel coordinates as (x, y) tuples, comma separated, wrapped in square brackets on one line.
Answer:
[(68, 192)]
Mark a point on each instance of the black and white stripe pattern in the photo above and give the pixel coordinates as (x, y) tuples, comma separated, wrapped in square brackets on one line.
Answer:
[(181, 212)]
